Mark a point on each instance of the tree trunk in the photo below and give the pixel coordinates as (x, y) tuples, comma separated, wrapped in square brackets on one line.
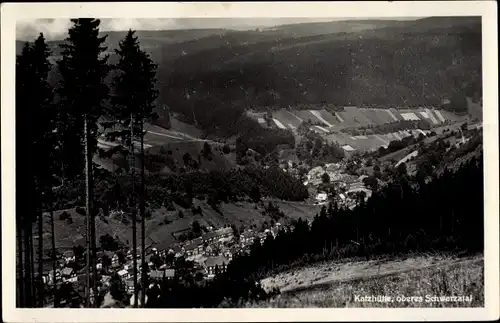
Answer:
[(20, 277), (40, 256), (32, 266), (88, 180), (27, 267), (143, 223), (54, 258), (133, 206)]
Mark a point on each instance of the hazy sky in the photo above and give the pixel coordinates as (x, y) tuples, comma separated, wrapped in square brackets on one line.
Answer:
[(57, 28)]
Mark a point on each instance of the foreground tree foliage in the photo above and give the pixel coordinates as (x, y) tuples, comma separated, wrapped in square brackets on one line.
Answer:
[(35, 137)]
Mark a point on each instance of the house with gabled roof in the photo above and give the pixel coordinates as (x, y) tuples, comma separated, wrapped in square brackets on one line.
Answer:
[(215, 235), (67, 272), (191, 249), (214, 264), (170, 273), (157, 274)]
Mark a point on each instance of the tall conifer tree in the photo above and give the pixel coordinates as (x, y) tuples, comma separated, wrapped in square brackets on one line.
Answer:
[(24, 218), (37, 137), (83, 69), (135, 94)]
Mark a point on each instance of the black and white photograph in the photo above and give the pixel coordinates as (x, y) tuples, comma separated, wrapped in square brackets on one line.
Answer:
[(221, 160)]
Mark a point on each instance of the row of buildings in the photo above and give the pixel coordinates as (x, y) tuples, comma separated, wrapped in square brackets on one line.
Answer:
[(210, 254)]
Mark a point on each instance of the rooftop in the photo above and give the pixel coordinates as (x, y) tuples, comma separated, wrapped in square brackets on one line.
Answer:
[(67, 271), (191, 246), (219, 261), (157, 273)]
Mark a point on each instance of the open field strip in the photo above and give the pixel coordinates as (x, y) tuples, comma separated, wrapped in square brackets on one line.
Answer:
[(375, 116), (407, 157), (392, 115), (279, 124), (361, 117), (390, 136), (410, 116), (440, 116), (164, 135), (431, 116), (320, 118), (286, 118), (450, 116), (348, 148), (421, 132), (424, 114), (328, 116), (381, 139), (341, 120), (322, 129), (298, 118)]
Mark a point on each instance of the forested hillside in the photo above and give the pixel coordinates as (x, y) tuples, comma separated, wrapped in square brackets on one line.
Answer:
[(363, 63), (418, 64), (411, 64)]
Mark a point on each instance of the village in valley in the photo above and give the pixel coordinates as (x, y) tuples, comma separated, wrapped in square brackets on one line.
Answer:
[(193, 183), (209, 254), (203, 258)]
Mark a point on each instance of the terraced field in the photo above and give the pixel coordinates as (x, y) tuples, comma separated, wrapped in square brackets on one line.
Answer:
[(360, 117), (329, 117), (306, 115), (377, 116), (394, 114), (368, 142), (287, 118), (328, 123)]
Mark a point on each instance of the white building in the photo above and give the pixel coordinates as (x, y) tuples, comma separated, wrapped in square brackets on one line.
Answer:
[(321, 197)]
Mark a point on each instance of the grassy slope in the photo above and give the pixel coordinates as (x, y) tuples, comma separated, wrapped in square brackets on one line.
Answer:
[(241, 213), (334, 284)]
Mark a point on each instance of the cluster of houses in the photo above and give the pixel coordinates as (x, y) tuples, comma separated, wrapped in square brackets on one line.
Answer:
[(210, 253), (347, 187)]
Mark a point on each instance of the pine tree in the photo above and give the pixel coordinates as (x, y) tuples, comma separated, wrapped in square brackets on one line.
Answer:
[(23, 216), (133, 103), (83, 69), (36, 135), (45, 143)]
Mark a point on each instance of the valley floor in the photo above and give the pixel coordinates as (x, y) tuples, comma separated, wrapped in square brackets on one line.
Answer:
[(334, 284)]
